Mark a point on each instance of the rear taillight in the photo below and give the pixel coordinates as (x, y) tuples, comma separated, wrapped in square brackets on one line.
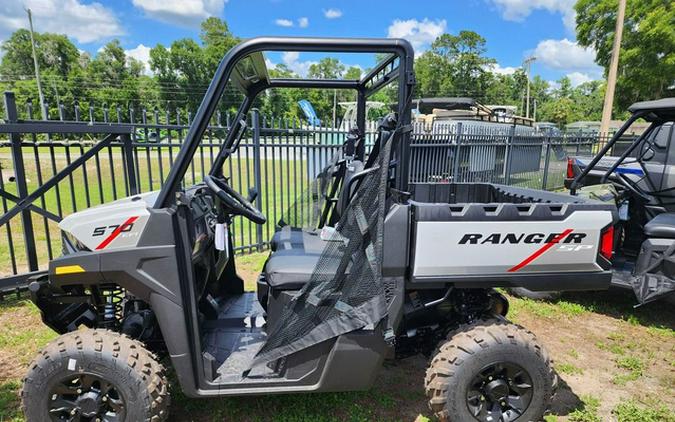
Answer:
[(570, 168), (607, 242)]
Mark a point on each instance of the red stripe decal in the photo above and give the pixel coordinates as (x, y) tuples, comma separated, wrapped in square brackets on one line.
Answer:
[(539, 252), (116, 233)]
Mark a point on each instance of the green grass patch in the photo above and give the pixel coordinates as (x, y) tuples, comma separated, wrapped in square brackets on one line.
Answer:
[(9, 401), (635, 367), (631, 411), (661, 331), (544, 309), (587, 411), (253, 261), (21, 330), (568, 368)]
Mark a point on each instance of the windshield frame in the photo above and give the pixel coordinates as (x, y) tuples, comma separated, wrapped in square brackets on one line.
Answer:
[(381, 75)]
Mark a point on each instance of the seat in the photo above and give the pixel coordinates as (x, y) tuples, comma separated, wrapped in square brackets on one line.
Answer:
[(290, 269), (295, 251), (309, 240), (663, 226)]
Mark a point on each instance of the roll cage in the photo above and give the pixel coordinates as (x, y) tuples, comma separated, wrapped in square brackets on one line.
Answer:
[(656, 112), (244, 65)]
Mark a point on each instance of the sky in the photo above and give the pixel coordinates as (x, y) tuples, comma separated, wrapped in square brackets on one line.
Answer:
[(514, 29)]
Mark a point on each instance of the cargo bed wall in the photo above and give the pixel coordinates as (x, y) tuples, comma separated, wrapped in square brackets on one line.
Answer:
[(485, 235)]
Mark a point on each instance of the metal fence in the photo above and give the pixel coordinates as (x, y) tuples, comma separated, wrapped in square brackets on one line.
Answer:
[(87, 157)]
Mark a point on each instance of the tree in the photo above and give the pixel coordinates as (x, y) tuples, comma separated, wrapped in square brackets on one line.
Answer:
[(110, 64), (326, 68), (56, 54), (185, 70), (647, 60), (567, 104), (433, 75), (465, 54)]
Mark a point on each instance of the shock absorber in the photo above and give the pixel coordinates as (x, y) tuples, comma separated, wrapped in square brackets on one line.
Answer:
[(111, 309)]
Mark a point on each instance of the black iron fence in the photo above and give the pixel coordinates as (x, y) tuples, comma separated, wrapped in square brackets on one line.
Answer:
[(49, 169)]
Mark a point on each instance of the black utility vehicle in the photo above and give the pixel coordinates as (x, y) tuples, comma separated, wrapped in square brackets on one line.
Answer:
[(404, 269), (639, 177)]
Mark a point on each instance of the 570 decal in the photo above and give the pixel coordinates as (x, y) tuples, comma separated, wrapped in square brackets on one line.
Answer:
[(100, 231), (116, 231)]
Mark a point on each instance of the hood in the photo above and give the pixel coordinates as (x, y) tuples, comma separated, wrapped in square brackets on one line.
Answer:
[(98, 227)]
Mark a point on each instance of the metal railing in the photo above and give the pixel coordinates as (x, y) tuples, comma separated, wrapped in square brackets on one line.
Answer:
[(49, 169)]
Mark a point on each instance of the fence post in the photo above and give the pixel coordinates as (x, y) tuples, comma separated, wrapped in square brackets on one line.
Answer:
[(256, 172), (509, 154), (455, 159), (129, 158), (547, 160), (20, 179)]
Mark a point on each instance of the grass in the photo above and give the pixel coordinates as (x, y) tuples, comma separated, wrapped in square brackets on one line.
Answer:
[(587, 411), (632, 411), (15, 316), (634, 367), (551, 310), (568, 368), (9, 400)]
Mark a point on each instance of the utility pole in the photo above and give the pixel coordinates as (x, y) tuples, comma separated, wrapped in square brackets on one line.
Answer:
[(534, 113), (37, 67), (334, 108), (613, 69), (528, 64)]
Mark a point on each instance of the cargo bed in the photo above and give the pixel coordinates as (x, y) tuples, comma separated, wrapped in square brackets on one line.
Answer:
[(487, 235)]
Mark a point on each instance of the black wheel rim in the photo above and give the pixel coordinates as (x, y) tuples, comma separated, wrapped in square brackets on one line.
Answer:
[(86, 398), (500, 392)]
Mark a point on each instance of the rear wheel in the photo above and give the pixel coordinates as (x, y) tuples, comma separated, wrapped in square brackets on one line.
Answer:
[(491, 371), (95, 375)]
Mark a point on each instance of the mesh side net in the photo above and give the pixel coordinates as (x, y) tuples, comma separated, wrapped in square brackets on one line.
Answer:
[(345, 291)]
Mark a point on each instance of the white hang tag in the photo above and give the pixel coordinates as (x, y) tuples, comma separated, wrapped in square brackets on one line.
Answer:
[(221, 236)]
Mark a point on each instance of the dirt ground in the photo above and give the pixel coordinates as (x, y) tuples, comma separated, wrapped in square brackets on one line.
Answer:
[(616, 363)]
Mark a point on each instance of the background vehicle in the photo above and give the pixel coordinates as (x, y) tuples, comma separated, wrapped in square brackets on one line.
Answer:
[(407, 269), (639, 177)]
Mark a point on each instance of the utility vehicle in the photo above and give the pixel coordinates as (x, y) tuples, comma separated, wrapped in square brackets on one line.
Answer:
[(639, 176), (405, 269)]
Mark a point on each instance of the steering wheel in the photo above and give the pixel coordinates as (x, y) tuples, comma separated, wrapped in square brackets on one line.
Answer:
[(633, 188), (237, 204)]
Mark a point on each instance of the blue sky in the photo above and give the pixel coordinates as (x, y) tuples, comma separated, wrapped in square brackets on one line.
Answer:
[(514, 29)]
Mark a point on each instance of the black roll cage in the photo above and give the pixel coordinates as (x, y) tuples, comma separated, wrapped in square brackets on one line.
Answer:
[(398, 66)]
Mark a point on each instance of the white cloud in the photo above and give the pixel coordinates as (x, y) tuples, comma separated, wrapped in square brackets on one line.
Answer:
[(578, 78), (286, 23), (332, 13), (303, 22), (142, 54), (518, 10), (292, 60), (84, 22), (181, 12), (553, 86), (419, 33), (565, 54), (496, 68)]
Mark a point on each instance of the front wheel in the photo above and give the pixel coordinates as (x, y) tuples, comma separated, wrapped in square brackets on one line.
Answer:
[(492, 371), (95, 375)]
